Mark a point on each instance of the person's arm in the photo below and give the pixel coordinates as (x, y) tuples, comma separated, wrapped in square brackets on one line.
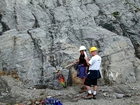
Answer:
[(87, 61), (75, 61)]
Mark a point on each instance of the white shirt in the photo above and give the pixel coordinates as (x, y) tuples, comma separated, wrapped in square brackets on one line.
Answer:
[(95, 62)]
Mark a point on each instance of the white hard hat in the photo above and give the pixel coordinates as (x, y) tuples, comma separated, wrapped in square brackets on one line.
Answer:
[(82, 48)]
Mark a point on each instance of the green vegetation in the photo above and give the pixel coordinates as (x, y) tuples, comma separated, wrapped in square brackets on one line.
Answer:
[(116, 14), (133, 5), (42, 93)]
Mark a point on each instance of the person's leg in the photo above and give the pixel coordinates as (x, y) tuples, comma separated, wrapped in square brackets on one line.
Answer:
[(95, 87), (83, 80), (83, 76), (88, 83), (89, 95), (83, 89), (89, 89)]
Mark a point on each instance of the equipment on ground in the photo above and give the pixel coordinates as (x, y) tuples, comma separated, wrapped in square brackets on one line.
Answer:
[(61, 78)]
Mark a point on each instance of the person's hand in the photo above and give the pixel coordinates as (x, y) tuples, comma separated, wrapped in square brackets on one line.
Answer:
[(75, 62), (86, 58), (82, 64)]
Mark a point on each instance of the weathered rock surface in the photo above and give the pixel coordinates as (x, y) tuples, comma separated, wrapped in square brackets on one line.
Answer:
[(38, 37), (120, 94)]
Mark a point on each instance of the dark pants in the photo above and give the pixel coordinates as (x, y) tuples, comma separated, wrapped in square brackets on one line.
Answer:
[(89, 81), (92, 77)]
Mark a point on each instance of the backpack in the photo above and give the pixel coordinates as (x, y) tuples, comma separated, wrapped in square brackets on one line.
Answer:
[(52, 101)]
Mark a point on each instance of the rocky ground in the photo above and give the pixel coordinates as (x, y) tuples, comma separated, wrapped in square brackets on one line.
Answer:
[(118, 94)]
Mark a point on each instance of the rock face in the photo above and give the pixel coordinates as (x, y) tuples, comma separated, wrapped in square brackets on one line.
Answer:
[(38, 37)]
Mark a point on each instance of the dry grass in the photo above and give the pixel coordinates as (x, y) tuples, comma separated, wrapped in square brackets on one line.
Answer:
[(13, 73)]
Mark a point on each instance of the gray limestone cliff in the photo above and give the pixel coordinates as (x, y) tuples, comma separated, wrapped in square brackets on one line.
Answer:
[(39, 36)]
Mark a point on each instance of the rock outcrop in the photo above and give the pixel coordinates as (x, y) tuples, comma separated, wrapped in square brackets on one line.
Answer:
[(38, 37)]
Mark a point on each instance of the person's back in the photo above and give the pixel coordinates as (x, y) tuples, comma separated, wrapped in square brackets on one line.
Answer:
[(95, 62)]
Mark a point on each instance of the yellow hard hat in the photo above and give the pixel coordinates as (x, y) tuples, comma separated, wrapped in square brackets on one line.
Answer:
[(93, 49)]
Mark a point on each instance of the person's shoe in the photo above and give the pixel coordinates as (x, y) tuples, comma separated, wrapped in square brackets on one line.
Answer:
[(82, 87), (94, 96), (89, 96), (83, 90)]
